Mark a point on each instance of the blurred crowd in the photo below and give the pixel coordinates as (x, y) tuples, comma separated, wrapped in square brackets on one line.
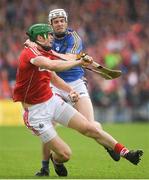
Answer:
[(115, 33)]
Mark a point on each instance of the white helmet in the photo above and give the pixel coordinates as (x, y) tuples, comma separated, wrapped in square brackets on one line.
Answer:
[(57, 13)]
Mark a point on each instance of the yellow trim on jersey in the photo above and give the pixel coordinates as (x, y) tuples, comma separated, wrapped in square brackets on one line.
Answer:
[(76, 42)]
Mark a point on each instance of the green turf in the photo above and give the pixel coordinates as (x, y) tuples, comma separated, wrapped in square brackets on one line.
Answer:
[(20, 153)]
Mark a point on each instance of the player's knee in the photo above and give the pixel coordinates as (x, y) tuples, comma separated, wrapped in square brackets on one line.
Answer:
[(98, 125)]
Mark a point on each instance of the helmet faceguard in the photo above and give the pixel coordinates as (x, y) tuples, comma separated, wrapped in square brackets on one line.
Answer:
[(57, 13), (39, 29)]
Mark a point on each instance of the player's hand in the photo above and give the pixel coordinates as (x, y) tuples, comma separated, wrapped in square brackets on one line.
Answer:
[(74, 96), (29, 43), (86, 60)]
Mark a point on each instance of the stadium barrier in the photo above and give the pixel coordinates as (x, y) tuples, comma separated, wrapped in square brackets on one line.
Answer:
[(10, 113), (122, 114)]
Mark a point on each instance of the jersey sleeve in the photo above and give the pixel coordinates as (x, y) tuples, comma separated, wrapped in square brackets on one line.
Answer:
[(75, 44), (32, 53)]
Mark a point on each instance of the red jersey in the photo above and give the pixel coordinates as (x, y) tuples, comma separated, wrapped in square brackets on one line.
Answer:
[(32, 83)]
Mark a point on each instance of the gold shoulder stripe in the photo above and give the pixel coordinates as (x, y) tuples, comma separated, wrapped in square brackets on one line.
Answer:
[(78, 39), (77, 35), (76, 42)]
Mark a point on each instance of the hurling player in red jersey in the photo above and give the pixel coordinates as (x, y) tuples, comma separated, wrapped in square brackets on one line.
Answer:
[(35, 72)]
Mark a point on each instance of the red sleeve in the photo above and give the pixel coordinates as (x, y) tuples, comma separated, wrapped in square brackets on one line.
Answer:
[(31, 53)]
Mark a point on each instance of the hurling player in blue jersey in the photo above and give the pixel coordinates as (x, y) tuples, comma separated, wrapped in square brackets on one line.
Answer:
[(68, 43)]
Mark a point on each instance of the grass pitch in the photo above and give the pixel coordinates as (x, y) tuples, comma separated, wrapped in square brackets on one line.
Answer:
[(20, 154)]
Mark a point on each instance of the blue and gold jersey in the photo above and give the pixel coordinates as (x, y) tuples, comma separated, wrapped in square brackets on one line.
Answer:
[(70, 43)]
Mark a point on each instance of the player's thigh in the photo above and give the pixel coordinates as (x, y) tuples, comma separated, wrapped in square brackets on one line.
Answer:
[(58, 146), (84, 104), (87, 128), (85, 107), (63, 112), (79, 122)]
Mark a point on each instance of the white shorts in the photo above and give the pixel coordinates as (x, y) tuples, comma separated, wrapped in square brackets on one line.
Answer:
[(79, 86), (39, 117)]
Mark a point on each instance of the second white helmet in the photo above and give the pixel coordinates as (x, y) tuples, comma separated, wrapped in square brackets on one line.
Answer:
[(57, 13)]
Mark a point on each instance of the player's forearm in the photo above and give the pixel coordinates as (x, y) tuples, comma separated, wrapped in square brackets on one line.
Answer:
[(60, 83), (59, 65), (54, 65)]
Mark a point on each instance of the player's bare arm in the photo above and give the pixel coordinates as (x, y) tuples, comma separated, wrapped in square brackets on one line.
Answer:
[(29, 43), (58, 65), (61, 84), (67, 56), (70, 56)]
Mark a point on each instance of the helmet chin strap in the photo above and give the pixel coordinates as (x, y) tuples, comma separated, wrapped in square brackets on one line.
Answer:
[(46, 48)]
